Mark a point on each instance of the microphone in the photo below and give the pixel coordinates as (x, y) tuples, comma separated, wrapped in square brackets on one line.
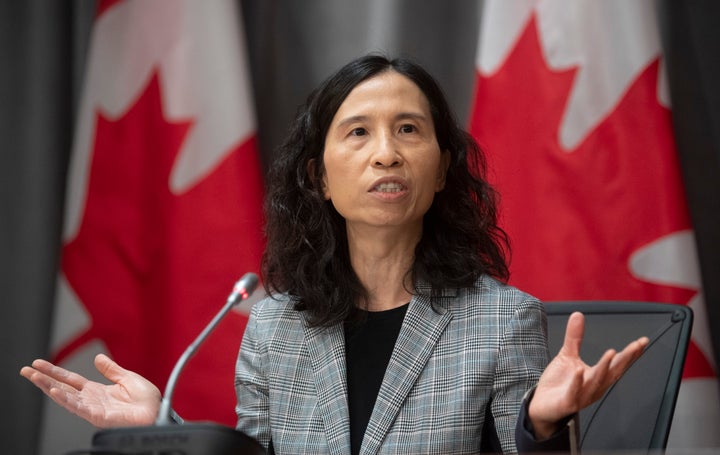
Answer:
[(244, 287), (167, 437)]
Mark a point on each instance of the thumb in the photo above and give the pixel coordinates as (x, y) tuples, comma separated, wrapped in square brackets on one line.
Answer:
[(109, 368)]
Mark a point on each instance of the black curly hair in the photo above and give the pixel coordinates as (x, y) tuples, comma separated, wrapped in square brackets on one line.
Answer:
[(307, 253)]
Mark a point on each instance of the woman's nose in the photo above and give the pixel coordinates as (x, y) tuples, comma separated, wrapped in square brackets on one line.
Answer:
[(386, 152)]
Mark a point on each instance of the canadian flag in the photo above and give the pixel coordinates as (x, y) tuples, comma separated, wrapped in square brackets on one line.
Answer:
[(163, 209), (572, 107)]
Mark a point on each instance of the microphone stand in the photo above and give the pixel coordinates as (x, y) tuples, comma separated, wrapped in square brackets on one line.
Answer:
[(241, 291), (167, 437)]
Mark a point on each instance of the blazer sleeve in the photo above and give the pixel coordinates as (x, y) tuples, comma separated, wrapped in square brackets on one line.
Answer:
[(251, 384), (525, 436), (522, 357)]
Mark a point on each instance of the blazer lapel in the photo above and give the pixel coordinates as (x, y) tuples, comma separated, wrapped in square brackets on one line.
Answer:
[(420, 331), (327, 354)]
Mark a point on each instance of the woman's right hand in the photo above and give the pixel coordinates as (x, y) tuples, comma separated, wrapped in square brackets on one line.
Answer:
[(130, 399)]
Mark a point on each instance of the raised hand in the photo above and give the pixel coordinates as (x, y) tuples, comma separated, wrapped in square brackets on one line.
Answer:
[(568, 384), (129, 400)]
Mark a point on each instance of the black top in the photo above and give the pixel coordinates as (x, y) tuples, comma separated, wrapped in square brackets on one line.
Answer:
[(368, 347)]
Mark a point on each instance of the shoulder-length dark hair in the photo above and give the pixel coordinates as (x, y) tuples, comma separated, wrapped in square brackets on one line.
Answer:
[(307, 253)]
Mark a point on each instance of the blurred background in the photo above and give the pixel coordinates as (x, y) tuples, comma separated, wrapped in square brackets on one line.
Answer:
[(137, 134)]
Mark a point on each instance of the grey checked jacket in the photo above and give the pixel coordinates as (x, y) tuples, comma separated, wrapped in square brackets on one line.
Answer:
[(455, 355)]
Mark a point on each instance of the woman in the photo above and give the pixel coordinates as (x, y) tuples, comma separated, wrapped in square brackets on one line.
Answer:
[(389, 329)]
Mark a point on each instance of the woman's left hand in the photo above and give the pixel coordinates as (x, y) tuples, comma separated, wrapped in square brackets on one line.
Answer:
[(568, 384)]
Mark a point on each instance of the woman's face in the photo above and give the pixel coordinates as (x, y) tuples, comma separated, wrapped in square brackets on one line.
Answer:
[(383, 164)]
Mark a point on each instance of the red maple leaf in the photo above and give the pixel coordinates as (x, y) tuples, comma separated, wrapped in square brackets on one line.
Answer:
[(151, 267), (575, 217)]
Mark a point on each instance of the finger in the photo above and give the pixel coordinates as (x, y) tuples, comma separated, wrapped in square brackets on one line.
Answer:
[(627, 356), (60, 374), (27, 372), (40, 380), (600, 369), (60, 393), (74, 404), (574, 332), (575, 391), (110, 369), (575, 385), (599, 377), (126, 378), (44, 382), (44, 366), (64, 398)]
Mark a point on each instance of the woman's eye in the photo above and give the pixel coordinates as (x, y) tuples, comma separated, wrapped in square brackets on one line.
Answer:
[(407, 128), (358, 132)]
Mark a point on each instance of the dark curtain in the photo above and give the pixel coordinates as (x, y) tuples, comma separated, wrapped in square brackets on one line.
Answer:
[(41, 56), (691, 39), (293, 45)]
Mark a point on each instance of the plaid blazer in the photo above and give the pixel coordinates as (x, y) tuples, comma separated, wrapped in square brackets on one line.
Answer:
[(455, 356)]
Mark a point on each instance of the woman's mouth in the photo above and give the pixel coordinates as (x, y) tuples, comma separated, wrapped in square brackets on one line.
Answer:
[(388, 187)]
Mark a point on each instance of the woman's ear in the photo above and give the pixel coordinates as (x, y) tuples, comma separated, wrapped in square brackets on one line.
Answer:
[(442, 170), (312, 173)]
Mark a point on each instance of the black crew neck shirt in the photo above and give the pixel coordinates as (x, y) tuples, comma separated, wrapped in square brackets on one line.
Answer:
[(368, 347)]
